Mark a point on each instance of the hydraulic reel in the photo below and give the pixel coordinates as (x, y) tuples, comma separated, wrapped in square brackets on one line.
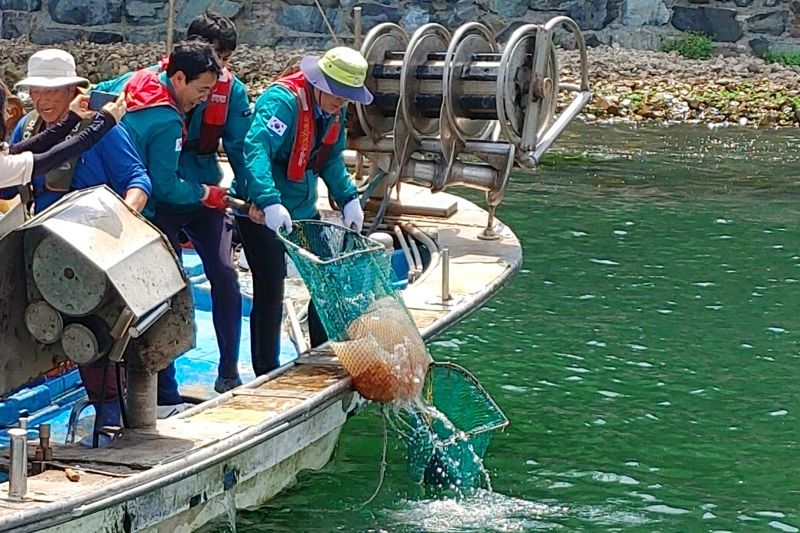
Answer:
[(443, 99)]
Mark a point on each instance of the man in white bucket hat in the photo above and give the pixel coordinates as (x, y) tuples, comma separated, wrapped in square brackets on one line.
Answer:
[(52, 83), (52, 68), (296, 137)]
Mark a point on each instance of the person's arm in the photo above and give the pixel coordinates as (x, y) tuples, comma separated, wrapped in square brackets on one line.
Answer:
[(334, 172), (236, 127), (263, 143), (47, 139), (8, 192), (74, 146), (15, 169), (125, 170)]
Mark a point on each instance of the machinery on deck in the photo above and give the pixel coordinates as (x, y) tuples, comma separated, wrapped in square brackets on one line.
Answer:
[(86, 280), (459, 109)]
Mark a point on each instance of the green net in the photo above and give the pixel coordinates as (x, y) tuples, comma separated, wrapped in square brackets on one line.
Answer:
[(371, 331), (448, 435), (446, 418), (344, 271)]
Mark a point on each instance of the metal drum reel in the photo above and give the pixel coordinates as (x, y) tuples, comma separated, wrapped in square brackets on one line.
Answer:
[(439, 97)]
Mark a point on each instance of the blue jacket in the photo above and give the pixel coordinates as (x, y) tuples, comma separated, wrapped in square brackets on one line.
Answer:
[(196, 168), (113, 161)]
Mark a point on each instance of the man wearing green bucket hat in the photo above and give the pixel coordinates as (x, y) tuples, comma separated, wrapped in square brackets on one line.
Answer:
[(297, 136)]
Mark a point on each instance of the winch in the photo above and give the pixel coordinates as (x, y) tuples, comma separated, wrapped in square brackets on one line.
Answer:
[(460, 109), (88, 280)]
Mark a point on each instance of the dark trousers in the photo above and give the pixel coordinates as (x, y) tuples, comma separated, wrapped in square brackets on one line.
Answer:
[(265, 255), (92, 378), (210, 232)]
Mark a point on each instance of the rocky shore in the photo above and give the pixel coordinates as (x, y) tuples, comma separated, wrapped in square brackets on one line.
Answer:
[(629, 85)]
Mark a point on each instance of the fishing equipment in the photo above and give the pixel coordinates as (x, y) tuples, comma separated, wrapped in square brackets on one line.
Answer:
[(90, 281), (349, 278), (460, 108), (448, 434), (443, 414)]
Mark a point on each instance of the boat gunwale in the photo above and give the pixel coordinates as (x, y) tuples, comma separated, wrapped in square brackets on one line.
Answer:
[(205, 456)]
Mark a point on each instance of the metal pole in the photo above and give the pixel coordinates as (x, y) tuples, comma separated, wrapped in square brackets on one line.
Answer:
[(170, 24), (445, 275), (357, 27), (18, 472), (141, 398)]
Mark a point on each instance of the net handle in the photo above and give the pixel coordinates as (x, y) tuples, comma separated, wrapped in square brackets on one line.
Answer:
[(371, 244)]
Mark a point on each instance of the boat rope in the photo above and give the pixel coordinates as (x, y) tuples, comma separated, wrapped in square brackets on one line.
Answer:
[(382, 474), (327, 23)]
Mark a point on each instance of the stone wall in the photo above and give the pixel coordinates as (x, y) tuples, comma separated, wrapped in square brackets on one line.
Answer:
[(736, 26)]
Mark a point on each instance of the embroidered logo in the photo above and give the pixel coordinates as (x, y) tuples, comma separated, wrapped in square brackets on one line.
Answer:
[(277, 126), (178, 144)]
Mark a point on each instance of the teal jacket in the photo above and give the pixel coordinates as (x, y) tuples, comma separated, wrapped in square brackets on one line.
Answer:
[(157, 134), (196, 168), (267, 150)]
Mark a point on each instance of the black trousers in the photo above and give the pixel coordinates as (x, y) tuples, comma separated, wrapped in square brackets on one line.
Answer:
[(265, 255)]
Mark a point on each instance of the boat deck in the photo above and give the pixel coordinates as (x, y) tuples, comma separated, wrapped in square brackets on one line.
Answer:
[(268, 408)]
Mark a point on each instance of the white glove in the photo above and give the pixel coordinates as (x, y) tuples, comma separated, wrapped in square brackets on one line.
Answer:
[(275, 216), (353, 215)]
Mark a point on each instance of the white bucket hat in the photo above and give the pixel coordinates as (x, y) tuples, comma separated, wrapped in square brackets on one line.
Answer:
[(52, 68)]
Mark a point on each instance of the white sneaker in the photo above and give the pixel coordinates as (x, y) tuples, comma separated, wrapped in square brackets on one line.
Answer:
[(166, 411)]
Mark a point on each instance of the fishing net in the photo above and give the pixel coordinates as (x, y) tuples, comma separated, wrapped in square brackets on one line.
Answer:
[(448, 433), (443, 414), (371, 332)]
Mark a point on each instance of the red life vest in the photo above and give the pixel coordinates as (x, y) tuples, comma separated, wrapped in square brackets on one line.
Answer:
[(304, 136), (215, 113), (145, 90)]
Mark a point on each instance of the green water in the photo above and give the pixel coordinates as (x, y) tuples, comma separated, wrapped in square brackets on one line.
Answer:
[(647, 354)]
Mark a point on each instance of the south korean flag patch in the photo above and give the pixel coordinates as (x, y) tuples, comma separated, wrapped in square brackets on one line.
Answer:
[(276, 125)]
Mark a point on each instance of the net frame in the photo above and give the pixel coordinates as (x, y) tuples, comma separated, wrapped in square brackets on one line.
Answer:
[(345, 272)]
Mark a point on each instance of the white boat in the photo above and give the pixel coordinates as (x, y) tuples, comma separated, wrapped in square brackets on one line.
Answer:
[(237, 450)]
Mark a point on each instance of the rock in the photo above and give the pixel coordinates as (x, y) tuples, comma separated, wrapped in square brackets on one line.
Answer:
[(15, 24), (21, 5), (374, 14), (142, 12), (306, 19), (759, 45), (414, 18), (193, 8), (508, 8), (104, 37), (768, 23), (50, 35), (719, 23), (85, 12), (644, 13), (593, 14)]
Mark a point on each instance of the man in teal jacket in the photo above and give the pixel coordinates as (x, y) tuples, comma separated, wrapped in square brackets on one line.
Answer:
[(297, 135), (158, 104), (226, 117)]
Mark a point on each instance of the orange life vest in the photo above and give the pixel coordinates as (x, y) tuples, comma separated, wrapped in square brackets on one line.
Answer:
[(215, 113), (145, 90), (304, 137)]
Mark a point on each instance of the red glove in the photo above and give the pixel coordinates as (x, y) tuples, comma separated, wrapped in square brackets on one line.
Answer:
[(215, 198)]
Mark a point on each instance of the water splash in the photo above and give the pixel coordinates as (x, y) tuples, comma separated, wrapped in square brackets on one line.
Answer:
[(483, 510)]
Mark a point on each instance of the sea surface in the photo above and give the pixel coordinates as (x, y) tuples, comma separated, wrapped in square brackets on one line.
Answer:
[(646, 355)]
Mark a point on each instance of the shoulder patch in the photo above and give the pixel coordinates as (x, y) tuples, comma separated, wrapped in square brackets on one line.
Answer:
[(178, 144), (276, 125)]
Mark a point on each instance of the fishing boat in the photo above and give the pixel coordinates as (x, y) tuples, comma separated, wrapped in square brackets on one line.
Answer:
[(450, 110)]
